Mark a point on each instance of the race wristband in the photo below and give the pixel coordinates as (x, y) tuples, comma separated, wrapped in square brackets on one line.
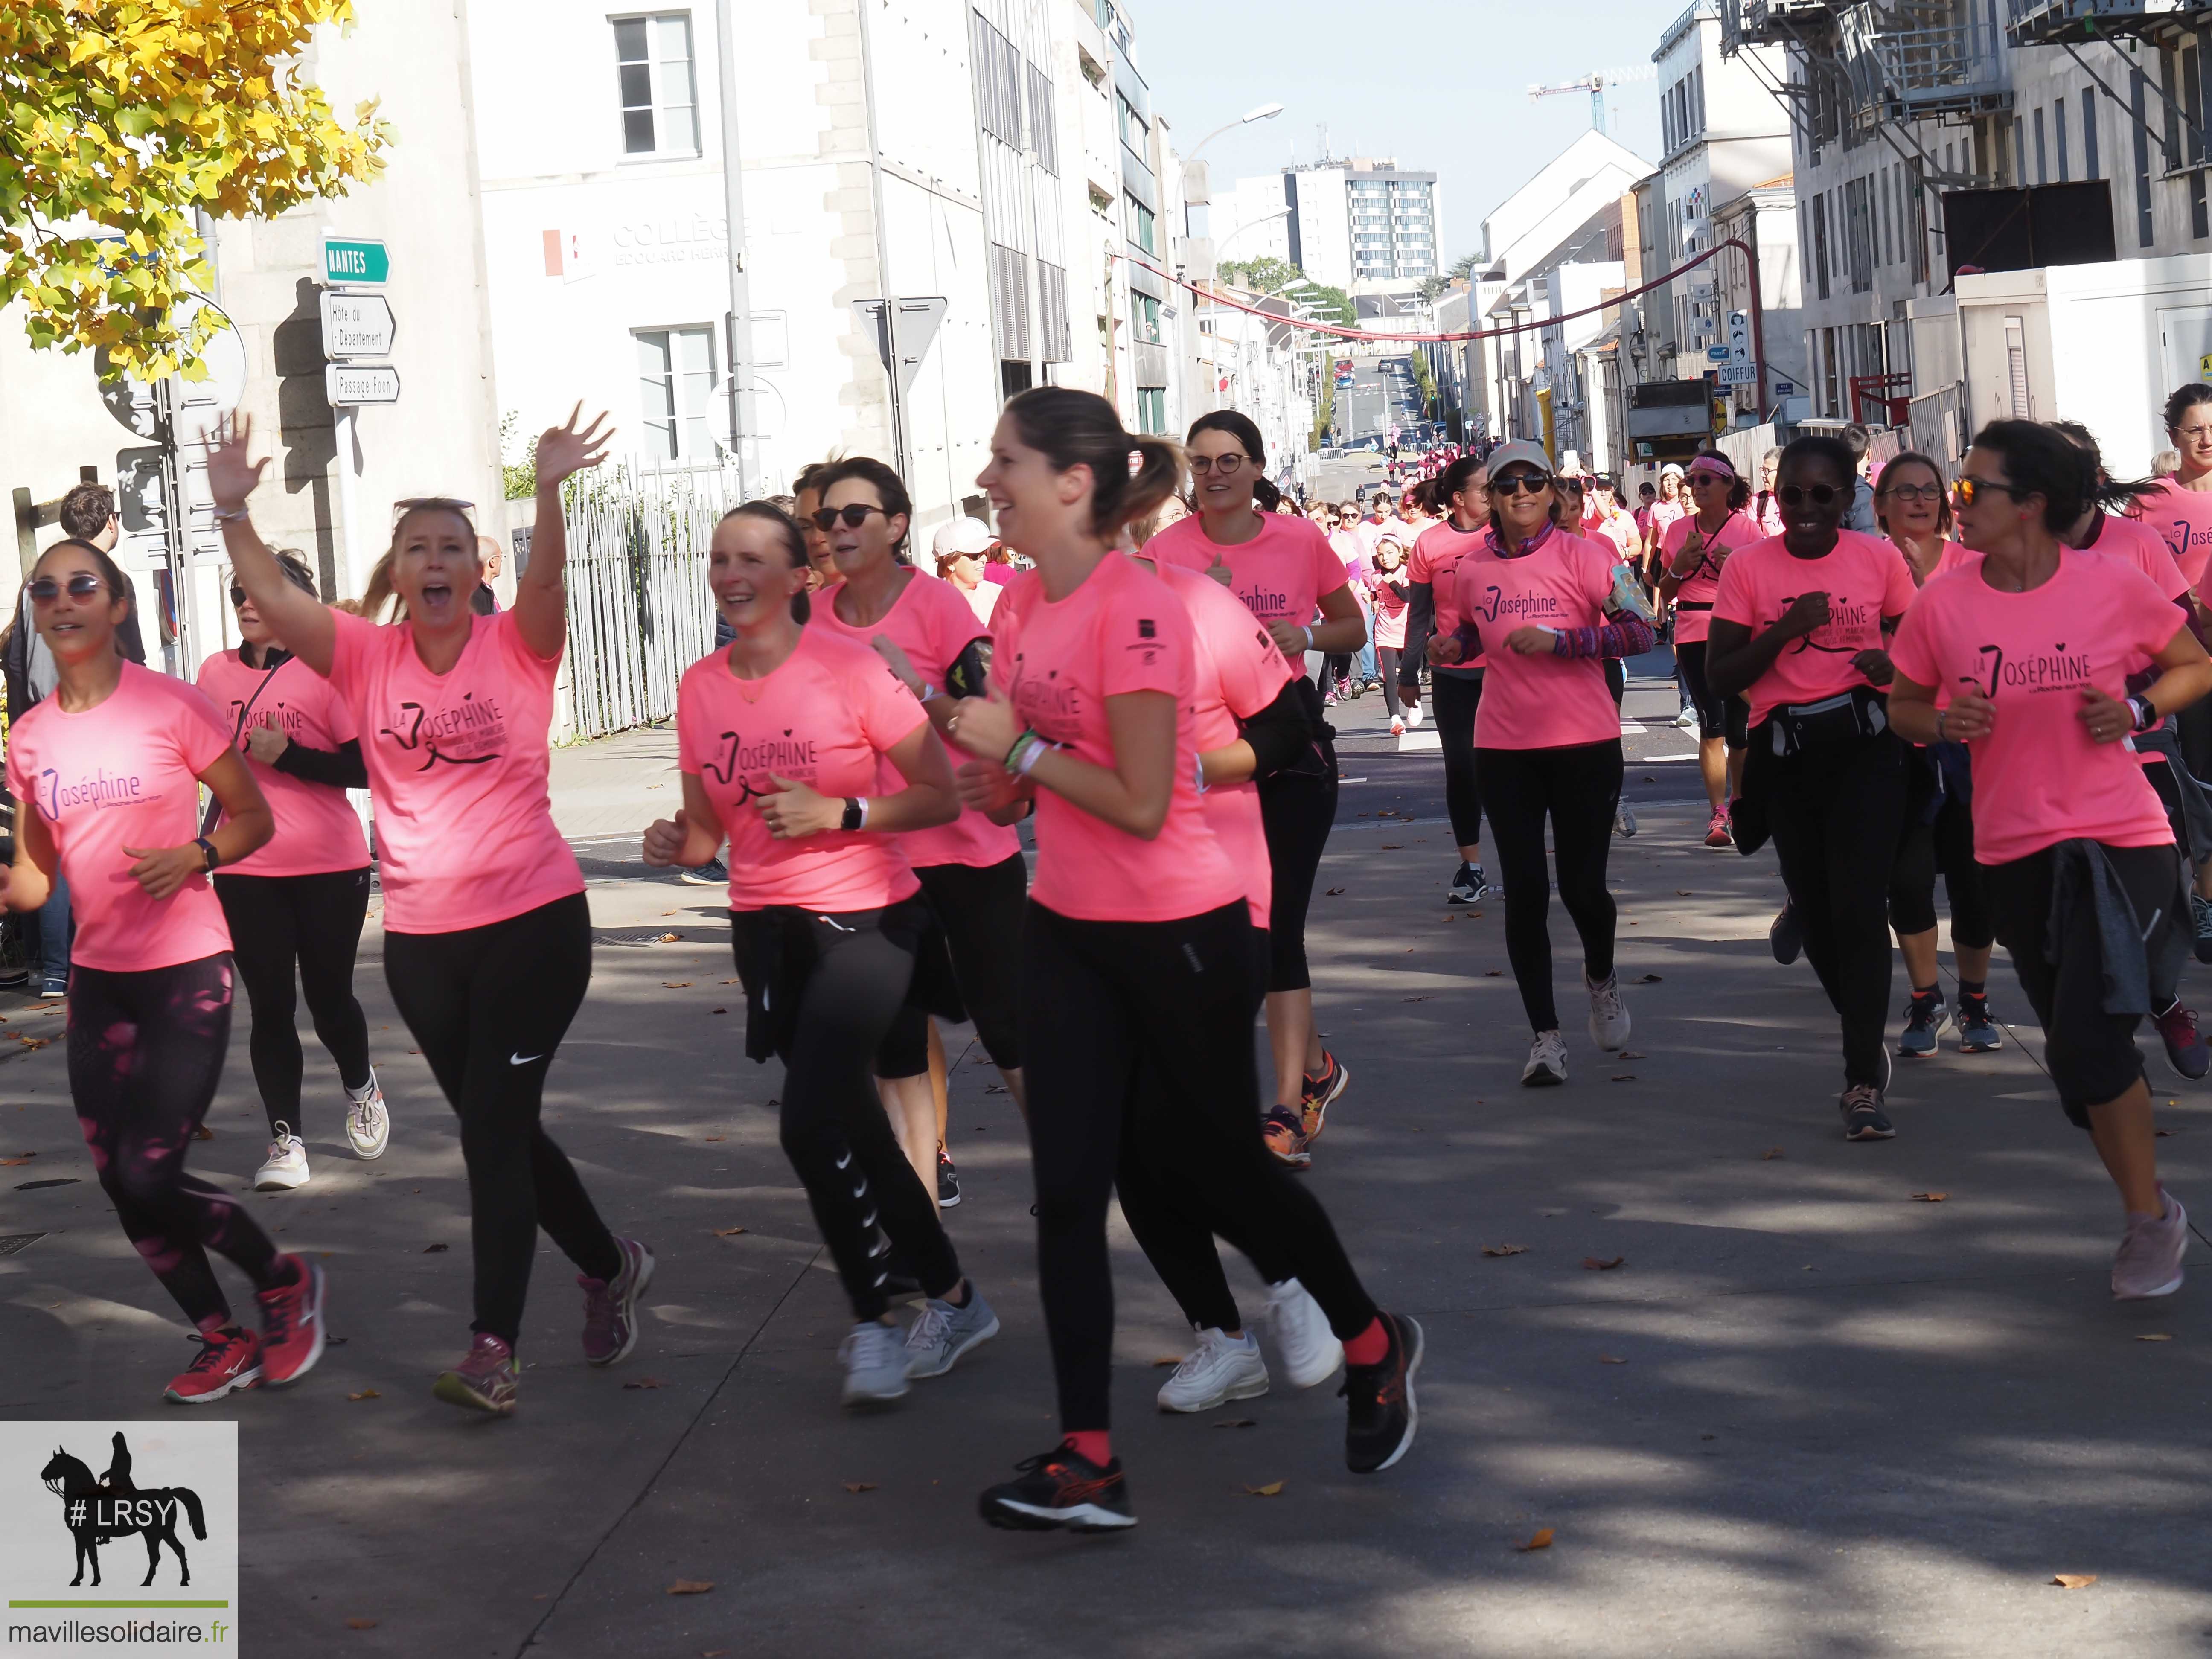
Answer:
[(1037, 748), (929, 691), (1020, 751), (1308, 634)]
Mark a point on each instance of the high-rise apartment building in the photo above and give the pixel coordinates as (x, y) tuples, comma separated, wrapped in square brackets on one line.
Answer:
[(1364, 220)]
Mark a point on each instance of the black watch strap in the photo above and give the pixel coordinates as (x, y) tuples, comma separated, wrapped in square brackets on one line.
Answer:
[(207, 851), (853, 816)]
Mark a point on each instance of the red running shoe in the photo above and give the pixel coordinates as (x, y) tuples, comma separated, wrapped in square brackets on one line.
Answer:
[(228, 1360), (292, 1325), (1717, 832)]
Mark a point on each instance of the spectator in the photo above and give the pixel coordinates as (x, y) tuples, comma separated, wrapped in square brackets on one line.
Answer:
[(2166, 464), (961, 547), (1862, 515), (488, 556)]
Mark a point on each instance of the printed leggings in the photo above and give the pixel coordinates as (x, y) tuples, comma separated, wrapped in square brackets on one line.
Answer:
[(145, 1053), (489, 1006), (312, 923)]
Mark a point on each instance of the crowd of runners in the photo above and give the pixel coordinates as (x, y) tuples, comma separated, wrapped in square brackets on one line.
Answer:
[(1996, 675)]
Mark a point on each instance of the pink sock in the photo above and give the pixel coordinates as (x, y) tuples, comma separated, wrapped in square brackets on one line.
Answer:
[(1370, 1346), (1092, 1443)]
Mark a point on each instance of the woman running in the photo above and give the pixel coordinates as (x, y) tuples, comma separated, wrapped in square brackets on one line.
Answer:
[(782, 739), (109, 767), (2180, 511), (1913, 510), (1284, 570), (2024, 658), (488, 936), (1456, 688), (1136, 1000), (297, 903), (1390, 589), (1799, 627), (1544, 608), (1693, 550)]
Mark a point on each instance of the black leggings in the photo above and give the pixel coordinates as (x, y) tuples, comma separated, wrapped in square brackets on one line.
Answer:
[(1150, 1024), (1386, 665), (489, 1006), (313, 922), (1717, 716), (1837, 813), (980, 912), (1454, 698), (145, 1054), (855, 969), (1945, 843), (1296, 810), (1578, 787)]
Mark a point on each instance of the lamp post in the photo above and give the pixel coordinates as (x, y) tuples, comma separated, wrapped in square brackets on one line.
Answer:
[(1265, 113)]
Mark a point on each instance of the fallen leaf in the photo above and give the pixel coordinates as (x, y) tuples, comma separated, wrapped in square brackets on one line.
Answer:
[(676, 985), (2155, 1336), (861, 1485), (1169, 1359), (1333, 892), (718, 1010), (1684, 892), (2074, 1580), (201, 1133), (1491, 973), (1597, 1266), (365, 1394), (1539, 1540), (672, 938), (1931, 1198), (727, 1232), (2162, 1134), (642, 1382), (1630, 1053), (994, 1088), (361, 1623), (1235, 1423), (1610, 1360), (433, 1249), (1272, 1489), (710, 1139), (11, 1162), (691, 1587), (1624, 1077), (1649, 979), (1414, 998), (1505, 1250)]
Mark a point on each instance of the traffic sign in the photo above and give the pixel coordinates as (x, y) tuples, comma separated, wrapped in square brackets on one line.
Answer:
[(349, 384), (355, 261), (356, 325), (1738, 374)]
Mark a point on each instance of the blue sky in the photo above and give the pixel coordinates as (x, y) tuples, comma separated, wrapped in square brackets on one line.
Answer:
[(1440, 84)]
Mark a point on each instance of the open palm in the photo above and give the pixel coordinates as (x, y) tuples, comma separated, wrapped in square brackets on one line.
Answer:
[(231, 477), (564, 451)]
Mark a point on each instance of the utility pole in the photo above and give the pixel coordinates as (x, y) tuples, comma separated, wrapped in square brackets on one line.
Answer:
[(895, 401), (739, 344)]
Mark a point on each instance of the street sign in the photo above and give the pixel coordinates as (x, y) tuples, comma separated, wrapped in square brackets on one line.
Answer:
[(1739, 374), (347, 385), (903, 336), (355, 261), (1785, 388), (357, 326), (1716, 353)]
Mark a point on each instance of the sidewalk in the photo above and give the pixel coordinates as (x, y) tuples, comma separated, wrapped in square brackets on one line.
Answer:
[(1844, 1422)]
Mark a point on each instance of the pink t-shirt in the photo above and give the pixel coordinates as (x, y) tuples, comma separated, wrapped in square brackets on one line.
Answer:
[(1540, 701), (124, 774), (317, 829), (1693, 602), (1239, 673), (932, 624), (1122, 631), (2038, 778), (1280, 574), (1865, 578), (2183, 519), (825, 718), (1664, 513), (1390, 603), (458, 769), (1439, 548), (2136, 543)]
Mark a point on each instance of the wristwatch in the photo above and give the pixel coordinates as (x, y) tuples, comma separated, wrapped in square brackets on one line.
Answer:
[(856, 814), (2146, 716), (208, 852)]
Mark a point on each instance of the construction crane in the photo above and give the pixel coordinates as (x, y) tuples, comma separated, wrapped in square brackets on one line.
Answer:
[(1593, 84)]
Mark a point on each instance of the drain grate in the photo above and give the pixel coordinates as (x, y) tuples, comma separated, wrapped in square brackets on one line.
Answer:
[(15, 1243)]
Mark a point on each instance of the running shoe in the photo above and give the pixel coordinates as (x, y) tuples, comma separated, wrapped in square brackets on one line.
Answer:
[(1686, 720), (2149, 1260), (484, 1381), (1317, 1094), (948, 1181), (611, 1305), (1716, 829), (713, 873), (2200, 910), (230, 1360), (1978, 1032), (286, 1166), (1414, 715), (875, 1364), (1060, 1490), (1784, 937), (1863, 1117), (368, 1126), (53, 988), (1329, 701), (1469, 886), (1373, 684), (1220, 1369), (1547, 1060), (1397, 726), (292, 1324), (1608, 1015), (936, 1340), (2185, 1049), (1624, 821), (1308, 1350), (1381, 1416), (1280, 1130), (1926, 1014)]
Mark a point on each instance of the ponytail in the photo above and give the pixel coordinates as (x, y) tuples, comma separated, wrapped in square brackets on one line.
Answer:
[(2110, 495), (1265, 497)]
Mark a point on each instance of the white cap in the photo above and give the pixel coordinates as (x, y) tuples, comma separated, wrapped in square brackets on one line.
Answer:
[(962, 535)]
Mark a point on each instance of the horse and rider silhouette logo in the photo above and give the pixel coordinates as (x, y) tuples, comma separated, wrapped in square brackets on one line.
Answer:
[(98, 1511)]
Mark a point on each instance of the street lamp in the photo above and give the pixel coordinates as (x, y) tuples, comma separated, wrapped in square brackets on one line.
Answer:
[(1265, 113), (1265, 218)]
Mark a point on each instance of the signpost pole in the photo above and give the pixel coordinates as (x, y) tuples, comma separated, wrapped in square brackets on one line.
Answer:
[(342, 427), (740, 342)]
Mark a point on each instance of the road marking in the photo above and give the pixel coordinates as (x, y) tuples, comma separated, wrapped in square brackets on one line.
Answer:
[(1661, 759), (1410, 740)]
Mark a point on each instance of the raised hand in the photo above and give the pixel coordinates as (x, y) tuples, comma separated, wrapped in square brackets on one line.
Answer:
[(1219, 569), (231, 477), (564, 451)]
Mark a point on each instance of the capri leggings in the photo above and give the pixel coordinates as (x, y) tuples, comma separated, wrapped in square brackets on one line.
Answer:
[(1945, 843), (1386, 665), (981, 911), (1455, 698), (1578, 788), (1717, 716), (1297, 810), (145, 1053), (1151, 1023), (312, 923), (489, 1006)]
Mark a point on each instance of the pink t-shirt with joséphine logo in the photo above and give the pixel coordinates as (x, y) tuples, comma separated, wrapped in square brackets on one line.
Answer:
[(1280, 574), (1540, 701), (317, 829), (2182, 520), (1865, 578), (1693, 601)]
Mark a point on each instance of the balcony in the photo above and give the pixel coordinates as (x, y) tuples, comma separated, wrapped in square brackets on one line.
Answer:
[(1899, 73), (1775, 22), (2056, 22)]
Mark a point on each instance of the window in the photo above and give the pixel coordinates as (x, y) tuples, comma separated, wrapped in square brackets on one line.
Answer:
[(1059, 342), (676, 389), (2042, 158), (1044, 138), (1820, 243), (2137, 83), (1010, 302), (2059, 126), (2091, 168), (2192, 94), (1885, 234), (652, 67), (1142, 226), (1153, 409), (998, 82), (1132, 124), (1144, 318)]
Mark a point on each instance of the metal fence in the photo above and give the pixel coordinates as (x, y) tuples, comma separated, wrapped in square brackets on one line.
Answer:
[(639, 610)]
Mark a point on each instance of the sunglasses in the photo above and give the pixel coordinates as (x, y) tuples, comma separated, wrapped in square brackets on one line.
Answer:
[(237, 596), (854, 515), (1515, 484), (1225, 464), (1966, 489), (421, 503), (46, 589), (1798, 494), (1915, 493)]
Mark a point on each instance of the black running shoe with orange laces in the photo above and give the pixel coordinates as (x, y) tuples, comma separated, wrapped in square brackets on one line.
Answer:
[(1060, 1490), (1380, 1415)]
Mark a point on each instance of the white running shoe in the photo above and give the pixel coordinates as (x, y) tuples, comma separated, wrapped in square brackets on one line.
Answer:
[(1609, 1020), (368, 1126), (1548, 1060), (1414, 715), (1686, 720), (1220, 1369), (875, 1364), (1310, 1350), (287, 1165)]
